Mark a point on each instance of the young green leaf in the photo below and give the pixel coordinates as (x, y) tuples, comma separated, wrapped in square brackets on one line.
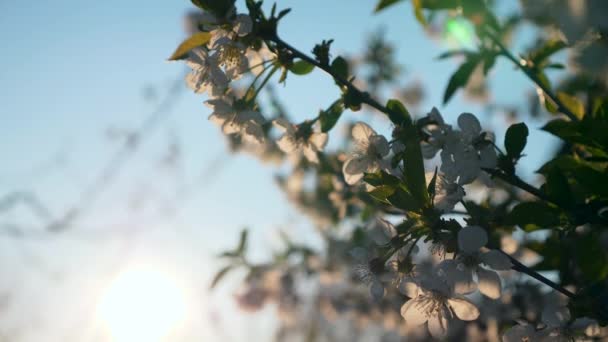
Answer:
[(329, 117), (196, 40), (242, 242), (301, 67), (382, 4), (339, 66), (398, 113), (219, 275), (515, 139), (572, 103), (460, 78)]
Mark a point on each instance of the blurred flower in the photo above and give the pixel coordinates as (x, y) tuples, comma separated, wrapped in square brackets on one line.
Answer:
[(370, 150), (467, 263), (434, 302), (300, 138)]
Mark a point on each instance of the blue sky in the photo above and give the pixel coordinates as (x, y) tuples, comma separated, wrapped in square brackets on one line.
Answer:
[(73, 69)]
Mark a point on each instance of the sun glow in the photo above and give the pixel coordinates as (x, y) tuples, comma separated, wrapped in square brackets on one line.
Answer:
[(142, 305)]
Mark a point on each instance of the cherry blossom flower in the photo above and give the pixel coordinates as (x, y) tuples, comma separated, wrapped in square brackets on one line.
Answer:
[(370, 150), (206, 74), (300, 138), (435, 303), (437, 132), (468, 263), (561, 328), (447, 193), (522, 332), (466, 152), (236, 120)]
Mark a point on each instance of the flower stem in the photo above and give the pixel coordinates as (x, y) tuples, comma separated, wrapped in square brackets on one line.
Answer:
[(519, 267), (364, 96), (266, 79), (532, 76)]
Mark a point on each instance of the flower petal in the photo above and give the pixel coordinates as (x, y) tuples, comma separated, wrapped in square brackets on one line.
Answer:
[(311, 154), (380, 145), (472, 238), (353, 169), (463, 308), (496, 260), (362, 132), (412, 314), (318, 140), (283, 125), (555, 317), (438, 326), (377, 291), (287, 143), (589, 326), (461, 278), (409, 289), (489, 283), (469, 124)]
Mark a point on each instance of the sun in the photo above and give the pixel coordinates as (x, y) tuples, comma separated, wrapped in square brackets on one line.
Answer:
[(142, 304)]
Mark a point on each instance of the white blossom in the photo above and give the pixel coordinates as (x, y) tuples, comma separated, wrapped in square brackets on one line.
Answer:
[(242, 121), (447, 193), (437, 131), (434, 302), (561, 328), (206, 74), (467, 264), (370, 150), (466, 152), (296, 139)]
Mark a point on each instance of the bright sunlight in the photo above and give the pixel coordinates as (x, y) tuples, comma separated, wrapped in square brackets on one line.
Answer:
[(142, 304)]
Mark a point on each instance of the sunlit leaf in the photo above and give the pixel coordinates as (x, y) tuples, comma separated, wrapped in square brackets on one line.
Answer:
[(572, 103), (301, 68), (196, 40)]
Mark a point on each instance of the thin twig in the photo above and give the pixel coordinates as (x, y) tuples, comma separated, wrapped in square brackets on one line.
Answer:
[(532, 76), (519, 267)]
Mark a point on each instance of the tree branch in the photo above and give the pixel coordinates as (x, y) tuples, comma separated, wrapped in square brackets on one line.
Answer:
[(532, 76)]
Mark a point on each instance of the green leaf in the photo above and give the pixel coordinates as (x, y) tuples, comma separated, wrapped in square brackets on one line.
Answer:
[(380, 193), (196, 40), (417, 7), (515, 139), (452, 53), (557, 187), (572, 103), (328, 118), (219, 275), (398, 113), (460, 78), (590, 132), (383, 4), (591, 178), (242, 242), (301, 67), (339, 66), (550, 47), (402, 199), (432, 186), (532, 216), (600, 108), (381, 178)]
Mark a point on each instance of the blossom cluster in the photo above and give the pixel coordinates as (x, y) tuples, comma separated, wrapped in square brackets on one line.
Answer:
[(461, 266)]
